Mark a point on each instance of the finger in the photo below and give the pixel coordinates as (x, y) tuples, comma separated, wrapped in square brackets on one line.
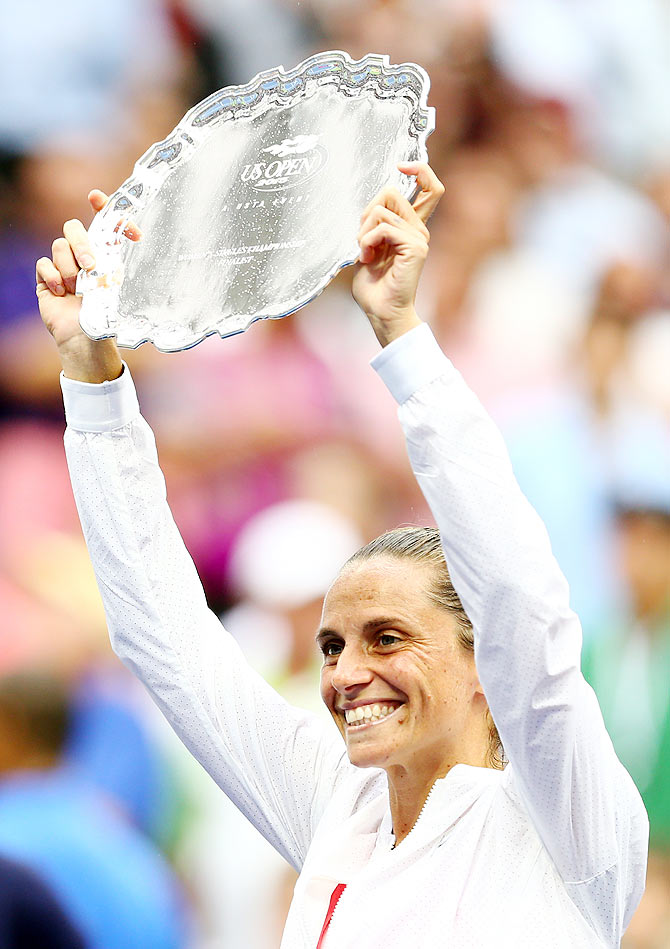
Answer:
[(47, 277), (77, 237), (129, 229), (381, 198), (378, 214), (97, 199), (65, 263), (391, 236), (432, 188), (382, 233), (392, 199)]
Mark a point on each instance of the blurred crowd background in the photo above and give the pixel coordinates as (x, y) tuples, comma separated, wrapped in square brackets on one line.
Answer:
[(548, 284)]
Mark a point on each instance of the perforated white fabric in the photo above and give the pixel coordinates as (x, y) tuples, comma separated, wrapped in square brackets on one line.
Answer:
[(549, 853)]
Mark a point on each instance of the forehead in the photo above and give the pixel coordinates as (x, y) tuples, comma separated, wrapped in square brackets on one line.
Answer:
[(395, 585)]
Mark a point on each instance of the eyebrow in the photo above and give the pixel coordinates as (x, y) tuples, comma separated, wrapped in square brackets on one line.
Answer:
[(368, 627)]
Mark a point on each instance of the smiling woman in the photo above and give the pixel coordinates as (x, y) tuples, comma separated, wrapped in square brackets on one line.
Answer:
[(422, 545), (416, 836), (409, 660)]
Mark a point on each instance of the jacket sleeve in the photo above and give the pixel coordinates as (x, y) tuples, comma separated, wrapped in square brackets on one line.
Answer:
[(562, 764), (277, 763)]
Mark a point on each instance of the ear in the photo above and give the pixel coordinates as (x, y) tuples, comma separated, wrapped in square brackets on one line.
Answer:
[(477, 690)]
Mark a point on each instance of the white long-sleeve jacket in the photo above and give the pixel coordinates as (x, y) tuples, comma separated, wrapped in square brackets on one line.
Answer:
[(550, 852)]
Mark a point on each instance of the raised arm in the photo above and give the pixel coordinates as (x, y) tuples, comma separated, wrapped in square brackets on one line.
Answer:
[(277, 763), (527, 640)]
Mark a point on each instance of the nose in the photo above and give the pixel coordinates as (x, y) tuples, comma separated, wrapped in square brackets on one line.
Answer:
[(351, 673)]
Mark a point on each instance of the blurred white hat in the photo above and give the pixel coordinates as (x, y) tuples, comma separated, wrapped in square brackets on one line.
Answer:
[(540, 47), (290, 553)]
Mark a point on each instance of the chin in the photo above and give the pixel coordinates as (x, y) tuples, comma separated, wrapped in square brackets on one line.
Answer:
[(363, 761), (366, 757)]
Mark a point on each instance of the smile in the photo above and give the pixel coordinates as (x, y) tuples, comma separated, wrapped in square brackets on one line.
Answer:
[(366, 715)]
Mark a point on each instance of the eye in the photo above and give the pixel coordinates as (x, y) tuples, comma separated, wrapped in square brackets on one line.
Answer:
[(388, 639), (331, 649)]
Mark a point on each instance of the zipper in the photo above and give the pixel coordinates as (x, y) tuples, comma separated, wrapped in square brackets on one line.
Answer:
[(336, 895), (335, 898), (425, 803)]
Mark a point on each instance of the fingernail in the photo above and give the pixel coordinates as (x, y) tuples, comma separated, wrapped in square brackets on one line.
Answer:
[(59, 289), (86, 261)]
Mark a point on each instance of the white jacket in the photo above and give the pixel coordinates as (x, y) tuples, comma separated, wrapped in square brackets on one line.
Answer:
[(549, 853)]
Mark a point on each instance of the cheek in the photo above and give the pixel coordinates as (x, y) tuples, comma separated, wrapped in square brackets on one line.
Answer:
[(325, 686), (446, 682), (399, 670)]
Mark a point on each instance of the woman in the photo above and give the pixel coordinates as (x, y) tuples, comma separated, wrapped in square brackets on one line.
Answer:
[(416, 836)]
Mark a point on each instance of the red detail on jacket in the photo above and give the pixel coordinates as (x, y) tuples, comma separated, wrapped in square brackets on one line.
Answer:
[(334, 897)]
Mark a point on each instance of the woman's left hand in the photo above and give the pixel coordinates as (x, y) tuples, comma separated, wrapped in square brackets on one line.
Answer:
[(394, 244)]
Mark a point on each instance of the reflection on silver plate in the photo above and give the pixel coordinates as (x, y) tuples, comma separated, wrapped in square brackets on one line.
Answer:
[(252, 204)]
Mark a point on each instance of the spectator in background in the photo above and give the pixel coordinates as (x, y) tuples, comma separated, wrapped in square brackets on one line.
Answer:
[(251, 36), (49, 595), (75, 104), (627, 657), (608, 59), (111, 741), (109, 878), (30, 915), (74, 84), (628, 664)]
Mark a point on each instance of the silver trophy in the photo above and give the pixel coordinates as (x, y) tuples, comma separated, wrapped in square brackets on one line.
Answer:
[(252, 204)]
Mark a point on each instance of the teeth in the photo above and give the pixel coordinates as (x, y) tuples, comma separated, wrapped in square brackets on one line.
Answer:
[(367, 713)]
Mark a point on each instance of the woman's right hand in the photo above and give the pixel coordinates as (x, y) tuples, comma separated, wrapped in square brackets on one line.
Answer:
[(83, 358)]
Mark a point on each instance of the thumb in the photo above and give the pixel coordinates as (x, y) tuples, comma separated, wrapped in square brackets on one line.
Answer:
[(98, 199)]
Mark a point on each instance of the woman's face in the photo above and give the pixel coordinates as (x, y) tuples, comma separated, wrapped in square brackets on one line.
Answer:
[(392, 656)]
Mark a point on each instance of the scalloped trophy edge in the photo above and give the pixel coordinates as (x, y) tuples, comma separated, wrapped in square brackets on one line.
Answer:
[(133, 194)]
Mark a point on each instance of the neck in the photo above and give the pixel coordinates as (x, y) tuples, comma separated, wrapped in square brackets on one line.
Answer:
[(409, 789), (406, 800)]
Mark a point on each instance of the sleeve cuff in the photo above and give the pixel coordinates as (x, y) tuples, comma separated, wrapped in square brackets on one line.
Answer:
[(410, 362), (100, 408)]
